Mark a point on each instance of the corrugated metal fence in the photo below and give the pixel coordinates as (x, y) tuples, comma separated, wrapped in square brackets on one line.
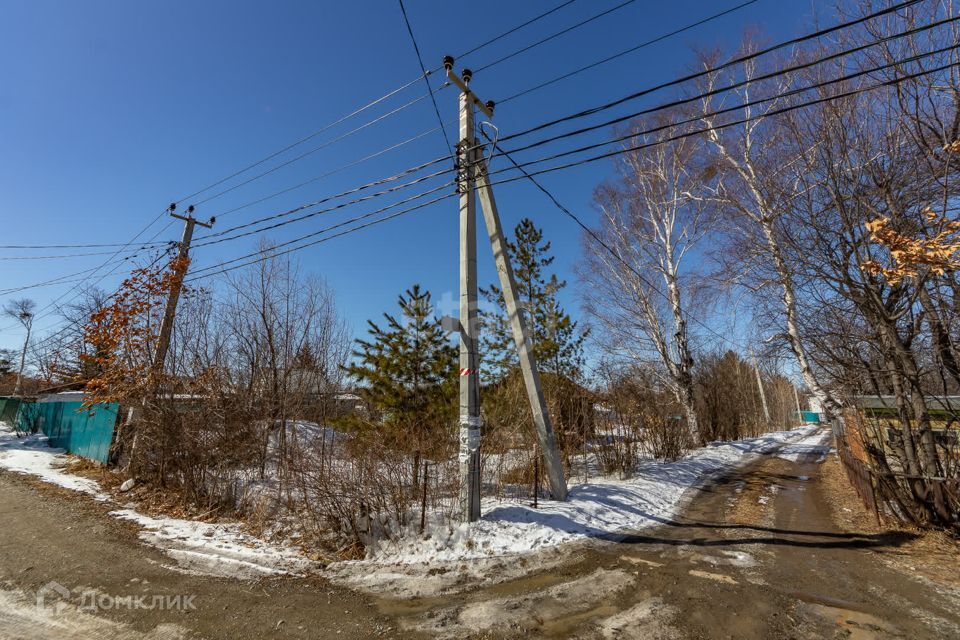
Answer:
[(8, 409), (83, 432)]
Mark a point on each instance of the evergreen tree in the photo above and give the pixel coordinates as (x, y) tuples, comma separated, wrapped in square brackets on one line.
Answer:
[(557, 338), (407, 372)]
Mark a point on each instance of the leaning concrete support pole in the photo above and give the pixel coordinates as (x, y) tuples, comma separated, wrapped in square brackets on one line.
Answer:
[(523, 341)]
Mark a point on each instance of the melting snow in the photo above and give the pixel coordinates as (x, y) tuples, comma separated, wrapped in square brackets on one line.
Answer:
[(33, 455), (212, 549), (603, 508)]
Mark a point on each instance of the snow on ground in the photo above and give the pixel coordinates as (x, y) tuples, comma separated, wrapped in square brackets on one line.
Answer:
[(603, 508), (212, 549), (33, 455), (813, 448), (216, 549)]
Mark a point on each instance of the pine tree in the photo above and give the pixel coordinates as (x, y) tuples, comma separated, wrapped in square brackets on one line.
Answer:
[(407, 371), (557, 338)]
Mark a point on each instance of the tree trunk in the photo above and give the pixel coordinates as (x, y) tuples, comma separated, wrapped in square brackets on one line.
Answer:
[(18, 386), (684, 368), (830, 405)]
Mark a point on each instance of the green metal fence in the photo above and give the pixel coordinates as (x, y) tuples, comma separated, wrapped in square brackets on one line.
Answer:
[(83, 432), (8, 409)]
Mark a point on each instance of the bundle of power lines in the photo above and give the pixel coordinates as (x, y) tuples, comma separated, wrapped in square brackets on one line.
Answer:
[(434, 181)]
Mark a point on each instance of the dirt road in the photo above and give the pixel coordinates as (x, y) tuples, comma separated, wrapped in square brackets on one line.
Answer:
[(756, 555)]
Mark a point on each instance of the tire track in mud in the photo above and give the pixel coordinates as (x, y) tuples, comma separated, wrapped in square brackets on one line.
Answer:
[(754, 555)]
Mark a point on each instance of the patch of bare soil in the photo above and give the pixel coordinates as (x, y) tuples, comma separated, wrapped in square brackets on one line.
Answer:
[(932, 555)]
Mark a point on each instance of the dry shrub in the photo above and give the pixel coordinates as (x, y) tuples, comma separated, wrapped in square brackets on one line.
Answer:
[(351, 491)]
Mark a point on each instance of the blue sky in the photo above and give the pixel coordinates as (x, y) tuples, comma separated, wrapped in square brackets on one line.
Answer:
[(110, 110)]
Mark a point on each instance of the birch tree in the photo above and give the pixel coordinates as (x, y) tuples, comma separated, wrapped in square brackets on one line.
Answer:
[(755, 163), (652, 217)]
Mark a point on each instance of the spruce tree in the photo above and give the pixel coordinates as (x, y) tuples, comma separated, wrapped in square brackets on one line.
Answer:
[(557, 338), (406, 370)]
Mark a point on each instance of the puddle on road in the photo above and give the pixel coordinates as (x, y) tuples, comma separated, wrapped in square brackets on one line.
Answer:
[(860, 625)]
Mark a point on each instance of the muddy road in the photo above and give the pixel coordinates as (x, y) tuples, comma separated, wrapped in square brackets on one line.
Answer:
[(757, 554)]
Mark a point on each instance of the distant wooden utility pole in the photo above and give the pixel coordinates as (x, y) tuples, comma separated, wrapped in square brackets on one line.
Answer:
[(473, 175), (166, 326)]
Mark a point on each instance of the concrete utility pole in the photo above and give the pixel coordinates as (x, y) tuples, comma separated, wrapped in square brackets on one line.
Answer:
[(477, 173), (469, 330), (166, 326), (763, 394)]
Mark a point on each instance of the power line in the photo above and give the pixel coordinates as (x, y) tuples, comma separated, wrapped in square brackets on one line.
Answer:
[(634, 135), (334, 171), (65, 255), (353, 113), (269, 253), (430, 93), (744, 105), (363, 187), (302, 140), (528, 175), (366, 107), (514, 96), (752, 55), (553, 35), (516, 28), (610, 58), (735, 61), (326, 144), (327, 210), (620, 119), (647, 43), (728, 124), (52, 336), (65, 246), (426, 77), (77, 291), (44, 283), (603, 244)]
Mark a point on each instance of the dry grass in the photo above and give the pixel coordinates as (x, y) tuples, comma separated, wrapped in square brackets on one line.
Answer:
[(932, 554)]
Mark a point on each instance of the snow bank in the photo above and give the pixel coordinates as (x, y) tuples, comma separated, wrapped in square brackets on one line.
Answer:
[(603, 508), (33, 455), (216, 549), (212, 549)]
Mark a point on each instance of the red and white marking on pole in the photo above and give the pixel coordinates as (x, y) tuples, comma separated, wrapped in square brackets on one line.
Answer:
[(469, 372)]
